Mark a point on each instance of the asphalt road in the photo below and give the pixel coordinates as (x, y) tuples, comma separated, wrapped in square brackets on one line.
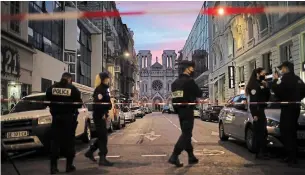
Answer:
[(143, 147)]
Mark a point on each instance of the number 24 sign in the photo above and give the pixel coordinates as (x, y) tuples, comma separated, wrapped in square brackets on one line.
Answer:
[(10, 61)]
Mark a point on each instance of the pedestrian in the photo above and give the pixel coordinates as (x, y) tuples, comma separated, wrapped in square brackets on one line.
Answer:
[(289, 88), (63, 121), (100, 114), (258, 91), (185, 90)]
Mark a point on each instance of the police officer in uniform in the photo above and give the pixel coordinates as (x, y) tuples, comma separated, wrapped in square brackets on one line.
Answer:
[(63, 120), (290, 88), (100, 114), (185, 90), (258, 91)]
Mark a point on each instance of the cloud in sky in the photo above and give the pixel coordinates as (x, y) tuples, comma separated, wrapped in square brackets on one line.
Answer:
[(160, 32)]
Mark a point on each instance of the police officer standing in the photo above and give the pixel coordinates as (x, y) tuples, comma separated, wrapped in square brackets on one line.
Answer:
[(100, 114), (289, 88), (185, 90), (63, 120)]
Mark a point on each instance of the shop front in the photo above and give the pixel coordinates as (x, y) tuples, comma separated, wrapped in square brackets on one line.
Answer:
[(16, 71)]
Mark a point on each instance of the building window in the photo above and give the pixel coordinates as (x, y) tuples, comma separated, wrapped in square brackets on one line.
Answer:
[(267, 63), (230, 44), (263, 22), (215, 60), (45, 84), (15, 9), (252, 66), (46, 36), (286, 49), (145, 87), (250, 28), (283, 4), (241, 74)]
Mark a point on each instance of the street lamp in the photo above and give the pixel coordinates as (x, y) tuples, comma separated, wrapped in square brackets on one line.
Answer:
[(126, 54), (221, 11)]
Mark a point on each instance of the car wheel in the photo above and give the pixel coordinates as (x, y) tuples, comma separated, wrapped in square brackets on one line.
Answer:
[(209, 118), (124, 124), (87, 134), (111, 127), (250, 139), (222, 134), (119, 126)]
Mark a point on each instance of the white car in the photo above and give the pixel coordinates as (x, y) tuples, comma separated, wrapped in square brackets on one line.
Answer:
[(28, 124), (129, 116), (137, 111), (196, 112)]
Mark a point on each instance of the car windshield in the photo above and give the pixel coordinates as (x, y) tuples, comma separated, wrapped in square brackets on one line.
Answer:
[(166, 107), (125, 110), (197, 107), (27, 105)]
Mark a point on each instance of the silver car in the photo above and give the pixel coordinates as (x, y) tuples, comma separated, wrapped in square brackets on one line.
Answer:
[(235, 120)]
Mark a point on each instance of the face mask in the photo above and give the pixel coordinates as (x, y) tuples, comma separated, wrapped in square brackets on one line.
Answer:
[(192, 74), (262, 77)]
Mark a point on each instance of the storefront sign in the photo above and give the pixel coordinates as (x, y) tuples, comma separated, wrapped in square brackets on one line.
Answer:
[(205, 92), (10, 62), (231, 73)]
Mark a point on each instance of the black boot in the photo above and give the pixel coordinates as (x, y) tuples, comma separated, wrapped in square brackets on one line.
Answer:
[(69, 166), (104, 162), (54, 168), (89, 155), (174, 159), (262, 156), (192, 158)]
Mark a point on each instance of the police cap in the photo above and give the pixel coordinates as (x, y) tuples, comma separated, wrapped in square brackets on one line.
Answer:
[(66, 75), (104, 75), (287, 64), (187, 63)]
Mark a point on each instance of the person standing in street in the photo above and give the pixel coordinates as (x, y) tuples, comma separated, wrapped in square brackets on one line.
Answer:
[(185, 90), (257, 90), (100, 113), (63, 121), (290, 88)]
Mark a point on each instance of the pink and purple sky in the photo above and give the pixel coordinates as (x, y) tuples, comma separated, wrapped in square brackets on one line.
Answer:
[(159, 32)]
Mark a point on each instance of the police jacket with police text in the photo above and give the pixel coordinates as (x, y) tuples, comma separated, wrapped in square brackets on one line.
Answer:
[(258, 93), (185, 86), (101, 95), (63, 92), (290, 88)]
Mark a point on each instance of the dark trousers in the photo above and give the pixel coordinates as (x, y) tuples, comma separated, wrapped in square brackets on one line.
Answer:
[(288, 129), (186, 117), (102, 135), (63, 136), (260, 133)]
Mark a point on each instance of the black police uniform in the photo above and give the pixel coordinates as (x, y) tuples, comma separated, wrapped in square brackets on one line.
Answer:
[(100, 110), (184, 90), (259, 93), (63, 122), (290, 88)]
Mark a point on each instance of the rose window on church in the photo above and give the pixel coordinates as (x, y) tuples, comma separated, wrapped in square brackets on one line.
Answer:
[(157, 85)]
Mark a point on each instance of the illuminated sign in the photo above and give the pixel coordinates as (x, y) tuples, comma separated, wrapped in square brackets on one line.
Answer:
[(231, 73)]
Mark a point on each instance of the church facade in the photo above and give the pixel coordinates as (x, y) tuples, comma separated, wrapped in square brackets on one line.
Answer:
[(156, 79)]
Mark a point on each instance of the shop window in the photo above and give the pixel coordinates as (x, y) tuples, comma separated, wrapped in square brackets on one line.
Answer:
[(285, 50), (230, 44), (45, 84), (15, 9), (267, 63), (241, 74)]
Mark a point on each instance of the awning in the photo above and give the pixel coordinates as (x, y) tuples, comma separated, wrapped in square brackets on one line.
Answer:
[(214, 81), (203, 74)]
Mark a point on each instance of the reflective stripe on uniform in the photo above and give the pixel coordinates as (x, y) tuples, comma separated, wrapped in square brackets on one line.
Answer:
[(177, 94)]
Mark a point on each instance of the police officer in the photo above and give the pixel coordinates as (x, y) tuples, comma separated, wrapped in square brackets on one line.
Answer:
[(185, 90), (63, 120), (290, 88), (258, 91), (100, 114)]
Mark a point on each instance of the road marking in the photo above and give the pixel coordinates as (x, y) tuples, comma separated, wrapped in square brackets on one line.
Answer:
[(193, 139), (117, 156), (208, 152), (156, 155), (214, 133)]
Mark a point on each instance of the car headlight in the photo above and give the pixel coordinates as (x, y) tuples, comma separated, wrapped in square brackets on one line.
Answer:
[(272, 123), (44, 120)]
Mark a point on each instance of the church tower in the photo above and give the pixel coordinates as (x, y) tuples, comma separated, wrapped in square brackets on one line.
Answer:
[(168, 59), (144, 59)]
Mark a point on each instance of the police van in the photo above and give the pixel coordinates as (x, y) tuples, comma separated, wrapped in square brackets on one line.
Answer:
[(28, 124)]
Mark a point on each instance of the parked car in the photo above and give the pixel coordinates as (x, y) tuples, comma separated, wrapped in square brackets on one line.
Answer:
[(211, 113), (129, 116), (137, 111), (28, 124), (143, 111), (147, 110), (115, 120), (167, 109), (236, 121)]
